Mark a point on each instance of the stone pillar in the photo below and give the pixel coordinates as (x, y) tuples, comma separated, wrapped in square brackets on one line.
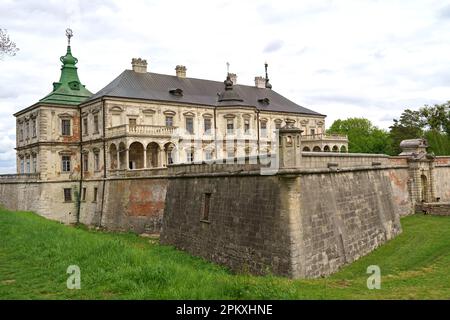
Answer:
[(161, 160), (127, 159), (289, 146), (145, 159), (118, 159)]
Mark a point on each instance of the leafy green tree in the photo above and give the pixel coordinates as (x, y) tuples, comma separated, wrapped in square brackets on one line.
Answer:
[(363, 136), (430, 122)]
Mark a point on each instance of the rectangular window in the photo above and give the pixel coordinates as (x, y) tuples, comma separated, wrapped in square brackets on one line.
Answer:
[(28, 165), (27, 126), (230, 153), (207, 123), (34, 131), (83, 195), (246, 126), (85, 161), (96, 161), (190, 125), (132, 122), (96, 123), (313, 131), (190, 156), (65, 127), (34, 163), (230, 126), (21, 134), (22, 166), (206, 206), (85, 126), (67, 194), (95, 194), (208, 155), (277, 125), (66, 163), (263, 129), (169, 121)]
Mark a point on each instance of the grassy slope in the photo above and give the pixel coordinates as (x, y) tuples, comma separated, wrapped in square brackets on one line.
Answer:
[(35, 254)]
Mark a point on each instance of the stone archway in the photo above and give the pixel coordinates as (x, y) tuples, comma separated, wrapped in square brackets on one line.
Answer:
[(343, 149), (113, 156), (326, 149), (122, 156), (317, 149), (136, 156), (152, 155), (335, 149), (306, 149)]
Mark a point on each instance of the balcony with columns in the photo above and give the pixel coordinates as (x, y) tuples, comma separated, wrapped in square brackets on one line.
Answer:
[(148, 160)]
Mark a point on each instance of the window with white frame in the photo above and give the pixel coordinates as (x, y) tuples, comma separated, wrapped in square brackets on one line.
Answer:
[(190, 125), (33, 128), (96, 127), (208, 154), (96, 161), (65, 127), (34, 163), (263, 128), (28, 164), (86, 161), (246, 126), (207, 123), (85, 126), (65, 163), (190, 155), (169, 121), (230, 126)]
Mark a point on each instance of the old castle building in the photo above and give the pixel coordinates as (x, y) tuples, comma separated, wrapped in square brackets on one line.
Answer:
[(188, 158), (144, 120)]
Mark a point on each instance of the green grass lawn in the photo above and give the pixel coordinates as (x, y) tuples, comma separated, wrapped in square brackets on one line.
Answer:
[(35, 254)]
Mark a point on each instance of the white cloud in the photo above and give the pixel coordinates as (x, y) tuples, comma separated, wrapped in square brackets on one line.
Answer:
[(341, 58)]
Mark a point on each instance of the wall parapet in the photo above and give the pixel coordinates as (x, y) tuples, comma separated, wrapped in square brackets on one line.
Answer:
[(22, 177)]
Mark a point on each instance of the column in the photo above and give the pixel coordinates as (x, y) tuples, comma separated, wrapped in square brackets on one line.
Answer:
[(145, 158), (162, 156), (127, 159)]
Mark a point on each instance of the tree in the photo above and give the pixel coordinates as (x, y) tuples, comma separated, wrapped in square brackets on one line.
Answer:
[(430, 122), (363, 136), (7, 46)]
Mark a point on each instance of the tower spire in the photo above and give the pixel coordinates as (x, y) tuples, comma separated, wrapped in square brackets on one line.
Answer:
[(68, 90)]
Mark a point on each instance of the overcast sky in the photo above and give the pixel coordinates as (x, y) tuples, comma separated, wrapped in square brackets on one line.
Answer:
[(341, 58)]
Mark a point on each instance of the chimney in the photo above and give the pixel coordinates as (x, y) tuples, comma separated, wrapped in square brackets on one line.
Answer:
[(139, 65), (260, 82), (180, 71), (233, 78)]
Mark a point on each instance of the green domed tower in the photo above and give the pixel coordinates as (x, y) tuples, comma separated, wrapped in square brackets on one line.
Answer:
[(68, 90)]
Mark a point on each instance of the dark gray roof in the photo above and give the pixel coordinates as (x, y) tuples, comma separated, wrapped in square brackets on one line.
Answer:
[(156, 87)]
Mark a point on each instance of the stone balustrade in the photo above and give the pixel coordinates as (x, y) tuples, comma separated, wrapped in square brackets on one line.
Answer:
[(323, 136), (141, 130)]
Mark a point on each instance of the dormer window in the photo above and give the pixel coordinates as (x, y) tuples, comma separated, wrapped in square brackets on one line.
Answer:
[(265, 101), (176, 92)]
